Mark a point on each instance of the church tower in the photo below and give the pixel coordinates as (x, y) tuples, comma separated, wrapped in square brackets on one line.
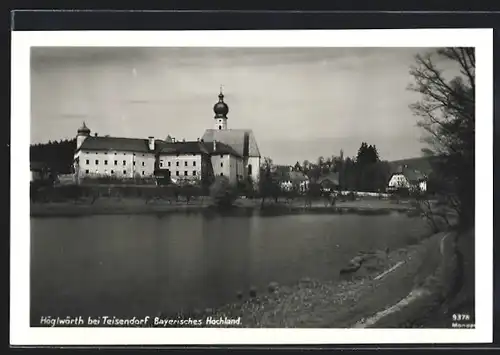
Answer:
[(83, 133), (221, 109)]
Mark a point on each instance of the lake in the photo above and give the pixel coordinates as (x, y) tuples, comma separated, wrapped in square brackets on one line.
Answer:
[(138, 265)]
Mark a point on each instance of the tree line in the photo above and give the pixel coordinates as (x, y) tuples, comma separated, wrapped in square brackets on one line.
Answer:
[(364, 172), (55, 155)]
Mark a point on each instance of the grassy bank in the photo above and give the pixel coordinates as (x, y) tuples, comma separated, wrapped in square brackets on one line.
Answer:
[(452, 286), (111, 205), (326, 304)]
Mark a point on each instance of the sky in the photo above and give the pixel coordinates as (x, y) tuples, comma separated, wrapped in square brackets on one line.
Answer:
[(301, 103)]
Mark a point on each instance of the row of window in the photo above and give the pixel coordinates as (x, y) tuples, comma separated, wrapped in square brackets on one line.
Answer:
[(112, 172), (106, 162), (110, 153), (186, 173), (176, 163), (185, 164), (177, 173)]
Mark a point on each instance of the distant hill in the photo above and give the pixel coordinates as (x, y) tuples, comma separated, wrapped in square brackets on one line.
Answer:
[(422, 164)]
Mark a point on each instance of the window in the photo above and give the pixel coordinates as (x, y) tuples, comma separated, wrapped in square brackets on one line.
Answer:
[(134, 154), (96, 162), (124, 162), (142, 163), (194, 163), (221, 164), (115, 153), (194, 172), (112, 171), (87, 162), (177, 163), (249, 169), (185, 173), (143, 172), (161, 163), (220, 127), (169, 163), (116, 161), (222, 156), (134, 163), (177, 173), (105, 162), (221, 174), (124, 172), (87, 171), (185, 163)]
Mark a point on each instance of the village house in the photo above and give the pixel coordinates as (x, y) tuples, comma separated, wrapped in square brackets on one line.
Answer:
[(290, 179), (329, 182), (221, 151), (407, 178)]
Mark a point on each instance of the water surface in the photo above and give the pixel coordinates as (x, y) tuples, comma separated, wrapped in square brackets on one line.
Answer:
[(137, 265)]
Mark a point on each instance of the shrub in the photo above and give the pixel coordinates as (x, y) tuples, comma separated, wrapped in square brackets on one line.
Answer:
[(222, 192)]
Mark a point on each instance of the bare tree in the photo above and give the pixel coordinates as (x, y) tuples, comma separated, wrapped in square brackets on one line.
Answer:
[(447, 116)]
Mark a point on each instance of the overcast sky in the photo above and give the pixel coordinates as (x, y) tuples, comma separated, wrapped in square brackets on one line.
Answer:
[(301, 103)]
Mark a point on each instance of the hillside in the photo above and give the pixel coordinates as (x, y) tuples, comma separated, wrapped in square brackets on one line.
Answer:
[(422, 164)]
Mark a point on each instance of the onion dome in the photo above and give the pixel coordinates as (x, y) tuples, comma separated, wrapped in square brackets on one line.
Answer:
[(220, 108), (83, 129)]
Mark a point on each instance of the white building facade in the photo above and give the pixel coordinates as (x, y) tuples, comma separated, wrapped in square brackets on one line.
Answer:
[(221, 151)]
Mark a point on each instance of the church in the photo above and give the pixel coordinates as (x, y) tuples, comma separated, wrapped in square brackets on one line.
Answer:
[(233, 153)]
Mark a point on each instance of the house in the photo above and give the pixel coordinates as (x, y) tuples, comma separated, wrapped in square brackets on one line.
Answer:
[(230, 152), (292, 179), (329, 182), (407, 178)]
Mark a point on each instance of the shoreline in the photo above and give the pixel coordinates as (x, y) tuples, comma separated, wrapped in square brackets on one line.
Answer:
[(384, 279), (131, 206)]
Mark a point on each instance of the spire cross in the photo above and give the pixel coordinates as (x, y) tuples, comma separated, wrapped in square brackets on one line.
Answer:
[(221, 89)]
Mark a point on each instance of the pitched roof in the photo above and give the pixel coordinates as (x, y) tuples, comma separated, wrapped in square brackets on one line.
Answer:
[(221, 148), (119, 143), (195, 147), (297, 176), (241, 140), (413, 175), (333, 177), (183, 148), (422, 164)]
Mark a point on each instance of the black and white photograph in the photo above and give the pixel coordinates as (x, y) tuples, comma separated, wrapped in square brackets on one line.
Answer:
[(262, 186)]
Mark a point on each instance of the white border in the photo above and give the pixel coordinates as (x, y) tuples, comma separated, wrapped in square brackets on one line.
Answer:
[(22, 334)]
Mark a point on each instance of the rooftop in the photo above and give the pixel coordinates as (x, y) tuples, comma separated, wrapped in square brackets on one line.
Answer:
[(241, 140), (119, 143), (197, 147)]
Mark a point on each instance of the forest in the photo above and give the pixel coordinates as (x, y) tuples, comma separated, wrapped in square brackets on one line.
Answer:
[(55, 155)]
